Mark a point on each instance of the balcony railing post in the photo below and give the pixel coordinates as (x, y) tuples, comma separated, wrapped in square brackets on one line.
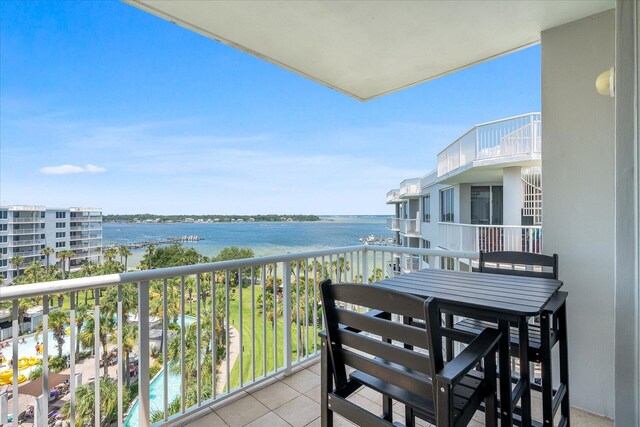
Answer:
[(365, 265), (143, 359), (286, 316)]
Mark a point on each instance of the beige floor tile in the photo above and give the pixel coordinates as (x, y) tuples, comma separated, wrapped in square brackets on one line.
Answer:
[(338, 421), (314, 394), (371, 394), (242, 412), (585, 419), (299, 411), (275, 395), (209, 420), (269, 420), (366, 404), (314, 423), (302, 381), (315, 368)]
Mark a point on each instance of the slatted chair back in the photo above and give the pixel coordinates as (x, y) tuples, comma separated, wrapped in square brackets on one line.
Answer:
[(512, 263), (361, 341)]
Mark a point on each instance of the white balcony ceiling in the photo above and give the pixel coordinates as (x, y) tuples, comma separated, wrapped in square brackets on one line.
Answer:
[(367, 49)]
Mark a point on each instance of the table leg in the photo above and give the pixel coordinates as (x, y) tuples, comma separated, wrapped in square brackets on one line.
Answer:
[(523, 382), (506, 414)]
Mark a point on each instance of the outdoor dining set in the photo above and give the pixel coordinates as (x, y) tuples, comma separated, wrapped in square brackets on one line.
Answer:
[(447, 344)]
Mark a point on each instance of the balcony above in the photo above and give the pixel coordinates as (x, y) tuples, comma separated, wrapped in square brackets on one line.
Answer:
[(393, 196), (490, 238), (515, 141), (410, 227), (393, 224), (410, 188)]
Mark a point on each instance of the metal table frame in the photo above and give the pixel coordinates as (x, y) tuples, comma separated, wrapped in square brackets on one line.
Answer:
[(502, 299)]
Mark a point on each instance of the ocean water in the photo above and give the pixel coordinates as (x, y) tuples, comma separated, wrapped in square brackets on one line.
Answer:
[(265, 238)]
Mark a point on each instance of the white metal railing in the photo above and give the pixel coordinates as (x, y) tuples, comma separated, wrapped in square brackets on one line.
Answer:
[(26, 254), (393, 196), (25, 231), (85, 219), (410, 187), (29, 242), (85, 254), (490, 238), (393, 224), (85, 228), (493, 140), (25, 220), (410, 226), (278, 325)]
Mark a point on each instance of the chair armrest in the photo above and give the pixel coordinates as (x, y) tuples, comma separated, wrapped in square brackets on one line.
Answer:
[(322, 334), (555, 302), (468, 358)]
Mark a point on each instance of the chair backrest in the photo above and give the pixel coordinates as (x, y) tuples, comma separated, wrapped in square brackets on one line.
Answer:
[(519, 264), (361, 341)]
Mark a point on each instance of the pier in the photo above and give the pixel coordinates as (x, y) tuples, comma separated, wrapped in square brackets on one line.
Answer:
[(158, 242)]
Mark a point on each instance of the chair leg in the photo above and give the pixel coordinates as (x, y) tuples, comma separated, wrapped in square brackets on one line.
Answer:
[(545, 366), (448, 323), (561, 316), (326, 384), (490, 401)]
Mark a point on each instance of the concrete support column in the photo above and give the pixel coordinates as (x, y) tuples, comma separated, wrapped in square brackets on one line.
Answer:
[(512, 195)]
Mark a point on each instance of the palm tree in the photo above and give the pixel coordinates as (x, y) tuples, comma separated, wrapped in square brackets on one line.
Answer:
[(58, 321), (110, 254), (62, 256), (17, 261), (129, 344), (82, 315), (124, 253), (85, 396), (107, 328), (34, 273), (150, 250), (47, 252)]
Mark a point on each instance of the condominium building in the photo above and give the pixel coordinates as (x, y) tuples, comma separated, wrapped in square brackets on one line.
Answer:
[(484, 195), (26, 230)]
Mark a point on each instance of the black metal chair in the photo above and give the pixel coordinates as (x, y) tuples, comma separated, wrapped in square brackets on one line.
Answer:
[(443, 394), (549, 330)]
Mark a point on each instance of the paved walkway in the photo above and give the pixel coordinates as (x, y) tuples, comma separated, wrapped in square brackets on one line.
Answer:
[(234, 351)]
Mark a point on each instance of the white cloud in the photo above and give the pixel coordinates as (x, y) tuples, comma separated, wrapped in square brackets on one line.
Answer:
[(69, 169)]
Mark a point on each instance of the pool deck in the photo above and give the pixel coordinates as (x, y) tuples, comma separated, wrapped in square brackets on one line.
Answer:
[(295, 401)]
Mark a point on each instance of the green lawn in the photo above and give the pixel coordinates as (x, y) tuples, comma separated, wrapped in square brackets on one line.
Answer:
[(260, 338)]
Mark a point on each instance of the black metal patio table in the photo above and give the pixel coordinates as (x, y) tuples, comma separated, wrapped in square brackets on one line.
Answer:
[(503, 299)]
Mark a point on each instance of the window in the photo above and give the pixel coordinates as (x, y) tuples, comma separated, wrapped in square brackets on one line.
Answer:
[(3, 239), (3, 227), (60, 234), (3, 262), (447, 263), (3, 251), (426, 208), (42, 225), (60, 224), (426, 244), (61, 244), (446, 205), (42, 214), (61, 215), (3, 214), (42, 236)]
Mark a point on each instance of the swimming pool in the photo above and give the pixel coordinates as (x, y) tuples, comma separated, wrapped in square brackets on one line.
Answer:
[(156, 396)]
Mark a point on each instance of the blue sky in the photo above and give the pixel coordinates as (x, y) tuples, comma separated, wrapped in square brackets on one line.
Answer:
[(104, 105)]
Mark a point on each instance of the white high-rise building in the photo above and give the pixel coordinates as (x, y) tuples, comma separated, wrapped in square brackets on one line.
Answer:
[(484, 195), (27, 230)]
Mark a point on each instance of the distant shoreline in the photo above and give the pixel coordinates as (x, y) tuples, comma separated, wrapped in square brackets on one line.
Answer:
[(204, 219)]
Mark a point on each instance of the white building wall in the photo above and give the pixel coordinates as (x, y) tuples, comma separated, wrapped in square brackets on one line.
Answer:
[(512, 195), (578, 182)]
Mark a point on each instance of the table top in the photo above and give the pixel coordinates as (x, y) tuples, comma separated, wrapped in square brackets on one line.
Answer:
[(496, 293)]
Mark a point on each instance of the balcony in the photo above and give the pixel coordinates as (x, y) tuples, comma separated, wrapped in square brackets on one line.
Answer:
[(27, 254), (410, 188), (86, 254), (393, 196), (29, 242), (31, 220), (410, 227), (85, 219), (85, 228), (393, 224), (490, 238), (25, 231), (504, 140)]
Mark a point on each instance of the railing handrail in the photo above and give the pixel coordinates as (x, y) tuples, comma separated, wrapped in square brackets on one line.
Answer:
[(94, 282), (537, 227)]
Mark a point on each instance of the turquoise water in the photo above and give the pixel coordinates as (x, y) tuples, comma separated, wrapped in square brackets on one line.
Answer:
[(156, 396), (264, 238)]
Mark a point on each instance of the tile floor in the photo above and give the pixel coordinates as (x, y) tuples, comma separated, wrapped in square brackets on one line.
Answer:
[(295, 401)]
